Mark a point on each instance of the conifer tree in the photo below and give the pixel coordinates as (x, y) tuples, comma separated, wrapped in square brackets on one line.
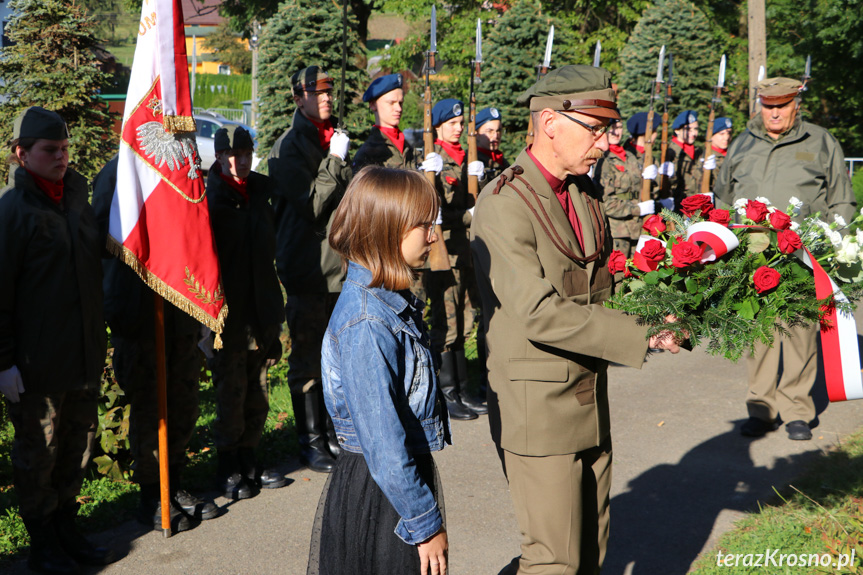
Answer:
[(307, 33), (685, 32), (51, 64)]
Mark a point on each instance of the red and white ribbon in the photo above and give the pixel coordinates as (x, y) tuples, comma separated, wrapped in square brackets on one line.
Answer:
[(714, 239)]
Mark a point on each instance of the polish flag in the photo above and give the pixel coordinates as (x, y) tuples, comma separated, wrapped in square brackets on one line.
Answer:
[(160, 223)]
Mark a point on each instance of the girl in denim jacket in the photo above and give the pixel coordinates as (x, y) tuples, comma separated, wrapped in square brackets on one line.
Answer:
[(382, 508)]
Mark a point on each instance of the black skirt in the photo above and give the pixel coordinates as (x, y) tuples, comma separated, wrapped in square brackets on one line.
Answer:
[(355, 522)]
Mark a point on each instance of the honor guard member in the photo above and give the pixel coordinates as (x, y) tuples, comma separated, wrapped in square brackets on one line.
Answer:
[(777, 157), (310, 166), (541, 248), (130, 314), (686, 158), (245, 235), (52, 338), (453, 293), (386, 145), (718, 146), (488, 135), (618, 174)]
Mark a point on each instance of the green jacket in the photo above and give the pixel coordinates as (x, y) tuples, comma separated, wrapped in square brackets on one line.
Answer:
[(379, 150), (51, 323), (451, 186), (620, 183), (686, 180), (806, 162), (310, 183)]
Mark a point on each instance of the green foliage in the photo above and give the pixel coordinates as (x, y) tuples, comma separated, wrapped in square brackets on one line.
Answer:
[(221, 90), (112, 435), (287, 47), (51, 65), (227, 47)]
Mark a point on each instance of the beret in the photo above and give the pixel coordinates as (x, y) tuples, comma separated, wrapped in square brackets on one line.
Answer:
[(311, 79), (720, 124), (684, 118), (381, 86), (486, 115), (36, 122), (637, 124), (446, 109), (232, 137), (576, 88)]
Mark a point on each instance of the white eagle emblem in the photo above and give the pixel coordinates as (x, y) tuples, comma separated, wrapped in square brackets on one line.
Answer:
[(172, 149)]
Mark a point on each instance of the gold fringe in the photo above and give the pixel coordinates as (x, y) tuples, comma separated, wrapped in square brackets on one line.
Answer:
[(171, 295), (176, 124)]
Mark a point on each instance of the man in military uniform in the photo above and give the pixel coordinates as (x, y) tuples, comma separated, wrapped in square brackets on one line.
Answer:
[(541, 252), (311, 168), (386, 145), (488, 134), (686, 158), (779, 156), (718, 147)]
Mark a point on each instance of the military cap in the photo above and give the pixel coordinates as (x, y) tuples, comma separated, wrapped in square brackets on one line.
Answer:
[(778, 91), (576, 88), (720, 124), (36, 122), (486, 115), (311, 79), (381, 86), (232, 137), (446, 110), (637, 124), (684, 118)]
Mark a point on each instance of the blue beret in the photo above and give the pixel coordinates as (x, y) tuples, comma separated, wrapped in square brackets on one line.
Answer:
[(637, 124), (381, 86), (684, 118), (720, 124), (446, 110), (486, 115)]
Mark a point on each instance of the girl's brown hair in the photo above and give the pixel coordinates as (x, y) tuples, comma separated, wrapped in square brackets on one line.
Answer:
[(380, 206), (26, 143)]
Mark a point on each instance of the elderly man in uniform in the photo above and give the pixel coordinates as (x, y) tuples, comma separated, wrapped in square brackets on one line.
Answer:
[(686, 158), (777, 157), (311, 168), (541, 249), (488, 134), (386, 144)]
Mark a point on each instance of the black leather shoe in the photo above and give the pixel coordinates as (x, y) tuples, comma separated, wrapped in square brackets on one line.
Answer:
[(76, 545), (474, 404), (235, 486), (798, 430), (271, 479), (315, 454), (755, 427), (195, 506), (150, 512)]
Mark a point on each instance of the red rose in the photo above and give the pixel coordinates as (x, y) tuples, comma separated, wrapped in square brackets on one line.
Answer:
[(616, 262), (654, 225), (695, 203), (756, 211), (765, 279), (722, 217), (653, 250), (780, 220), (685, 254), (788, 241)]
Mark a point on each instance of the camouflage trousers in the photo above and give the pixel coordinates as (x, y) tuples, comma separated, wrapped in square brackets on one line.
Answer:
[(454, 307), (625, 245), (135, 369), (54, 437), (307, 316)]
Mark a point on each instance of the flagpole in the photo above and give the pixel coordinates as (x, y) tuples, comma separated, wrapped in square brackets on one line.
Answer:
[(162, 393)]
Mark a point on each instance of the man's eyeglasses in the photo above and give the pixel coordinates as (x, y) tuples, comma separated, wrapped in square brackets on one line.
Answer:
[(596, 131)]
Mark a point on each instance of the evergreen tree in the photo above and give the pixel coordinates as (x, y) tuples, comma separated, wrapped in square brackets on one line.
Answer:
[(51, 64), (685, 32), (305, 33)]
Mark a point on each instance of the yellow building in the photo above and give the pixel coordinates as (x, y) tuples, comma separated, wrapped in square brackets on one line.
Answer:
[(201, 19)]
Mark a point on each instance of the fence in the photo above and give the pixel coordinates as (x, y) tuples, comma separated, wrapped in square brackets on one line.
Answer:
[(853, 163), (233, 114)]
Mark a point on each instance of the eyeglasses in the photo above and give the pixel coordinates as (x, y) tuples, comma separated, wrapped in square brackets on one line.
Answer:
[(431, 236), (596, 131)]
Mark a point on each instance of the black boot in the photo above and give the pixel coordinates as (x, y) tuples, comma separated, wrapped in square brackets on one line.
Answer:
[(150, 510), (196, 507), (449, 387), (482, 356), (261, 478), (311, 430), (229, 480), (332, 440), (474, 404), (75, 544), (46, 553)]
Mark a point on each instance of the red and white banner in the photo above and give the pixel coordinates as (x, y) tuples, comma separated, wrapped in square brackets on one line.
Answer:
[(160, 223), (714, 239)]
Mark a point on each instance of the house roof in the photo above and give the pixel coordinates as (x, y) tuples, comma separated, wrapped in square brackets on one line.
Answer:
[(202, 12)]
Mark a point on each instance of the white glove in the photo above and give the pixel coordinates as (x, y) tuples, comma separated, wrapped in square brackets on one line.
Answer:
[(710, 162), (11, 384), (476, 169), (710, 195), (647, 208), (339, 144), (667, 203), (667, 169), (649, 172), (470, 211), (439, 220), (432, 163)]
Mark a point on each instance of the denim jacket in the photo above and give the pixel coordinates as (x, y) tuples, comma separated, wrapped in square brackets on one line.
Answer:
[(382, 394)]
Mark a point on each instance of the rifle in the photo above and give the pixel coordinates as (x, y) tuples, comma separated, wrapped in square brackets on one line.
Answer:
[(717, 94), (438, 256), (663, 145), (341, 125), (473, 181), (655, 91), (543, 70)]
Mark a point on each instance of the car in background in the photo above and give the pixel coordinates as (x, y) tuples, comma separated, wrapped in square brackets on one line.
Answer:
[(207, 124)]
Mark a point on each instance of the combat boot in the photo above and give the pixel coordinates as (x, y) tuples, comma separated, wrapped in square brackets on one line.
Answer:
[(449, 387), (75, 544), (150, 510), (312, 431), (261, 478), (229, 480), (46, 553), (195, 507), (474, 404)]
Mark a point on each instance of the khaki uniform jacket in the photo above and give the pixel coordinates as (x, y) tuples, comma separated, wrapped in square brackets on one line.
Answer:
[(549, 336), (451, 186), (310, 183), (379, 150), (621, 190), (686, 180), (807, 162)]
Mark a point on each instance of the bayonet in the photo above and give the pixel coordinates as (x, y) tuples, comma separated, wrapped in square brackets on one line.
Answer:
[(433, 47), (806, 73), (596, 54), (546, 61), (478, 53), (659, 68), (762, 73), (721, 82)]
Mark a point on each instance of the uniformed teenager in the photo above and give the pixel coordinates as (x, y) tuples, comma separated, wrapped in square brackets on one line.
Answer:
[(311, 168), (718, 147), (488, 137), (52, 338), (386, 144), (686, 158)]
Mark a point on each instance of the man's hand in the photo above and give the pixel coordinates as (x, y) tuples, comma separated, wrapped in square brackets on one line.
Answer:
[(433, 554), (11, 384), (339, 144), (665, 339), (432, 163), (649, 172)]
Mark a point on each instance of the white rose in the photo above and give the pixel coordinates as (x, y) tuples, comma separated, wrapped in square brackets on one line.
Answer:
[(860, 236), (835, 238), (763, 200), (839, 220), (740, 203), (795, 226), (849, 253), (794, 201), (741, 211)]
